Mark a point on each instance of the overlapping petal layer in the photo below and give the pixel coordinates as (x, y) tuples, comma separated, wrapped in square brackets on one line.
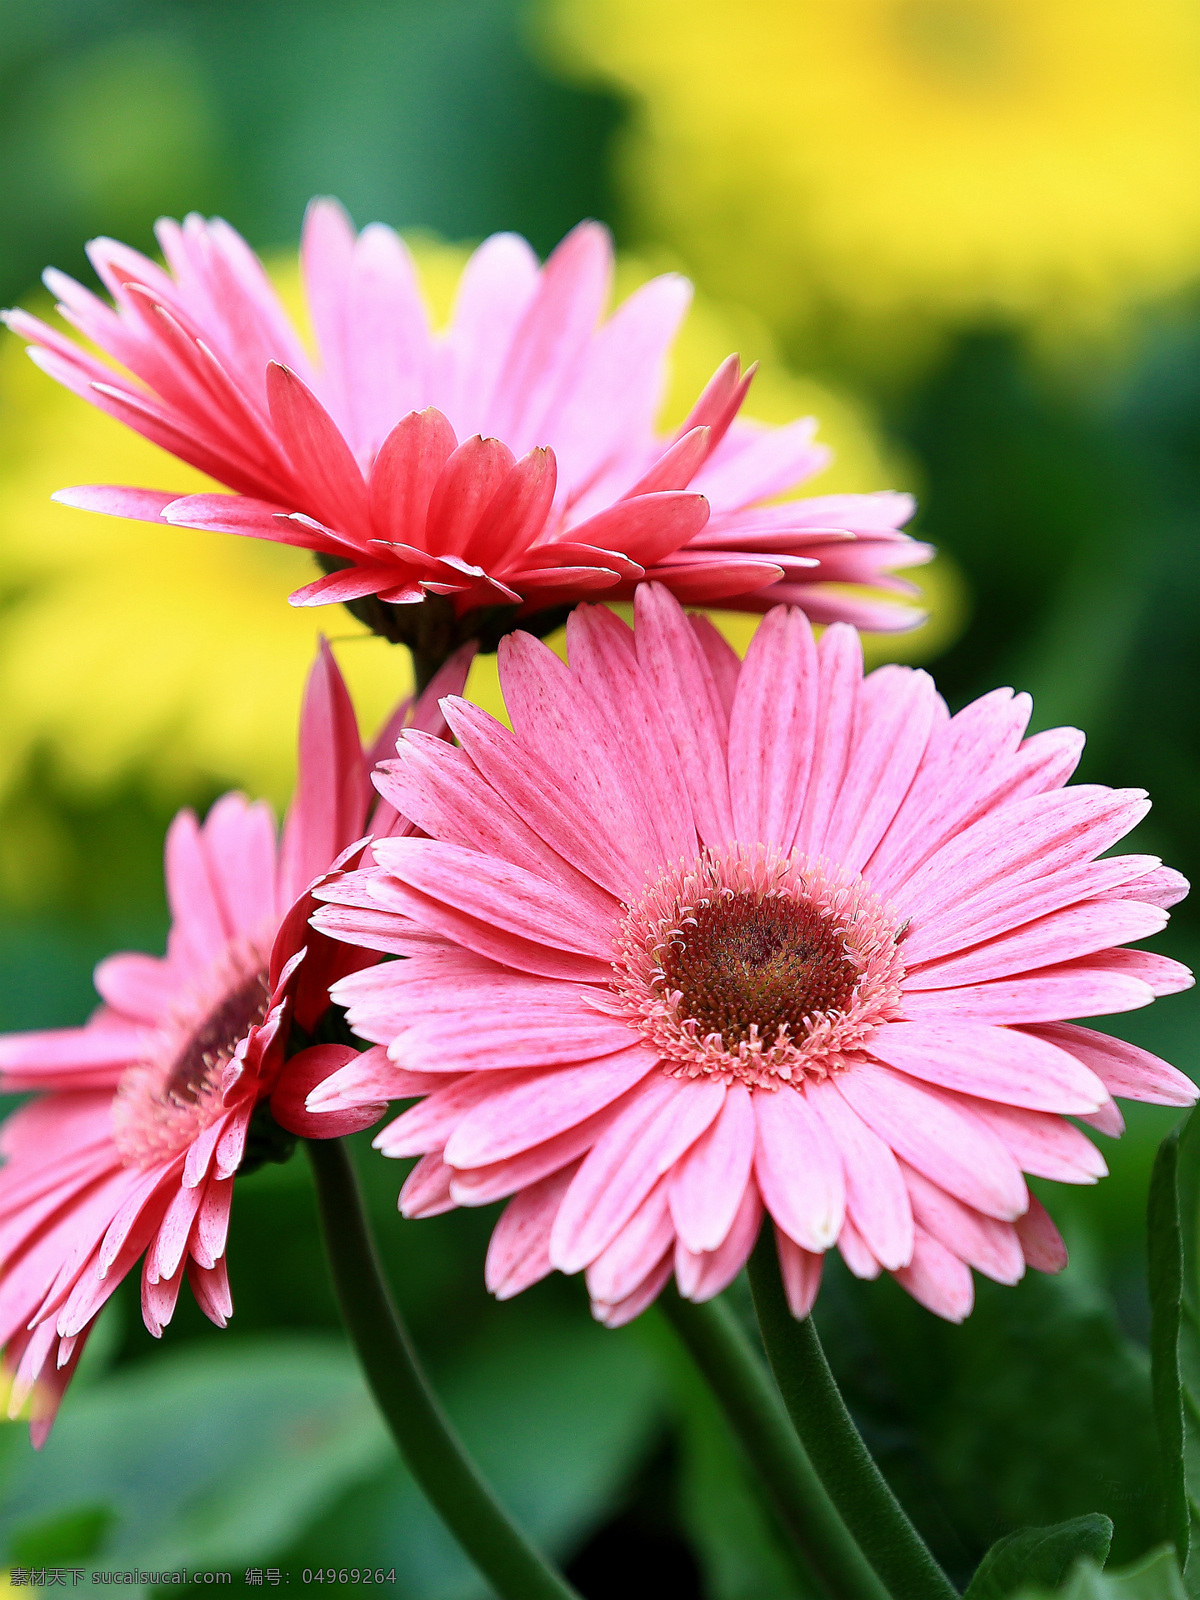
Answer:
[(510, 460), (142, 1118), (703, 940)]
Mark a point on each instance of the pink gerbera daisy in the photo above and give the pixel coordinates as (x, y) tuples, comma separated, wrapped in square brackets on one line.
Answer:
[(511, 460), (144, 1116), (701, 940)]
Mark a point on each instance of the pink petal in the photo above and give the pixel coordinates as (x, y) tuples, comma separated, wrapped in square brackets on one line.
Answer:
[(445, 795), (1073, 989), (991, 1246), (709, 1182), (200, 928), (483, 937), (700, 1276), (528, 1113), (141, 505), (993, 1063), (723, 662), (635, 1252), (388, 349), (240, 840), (1122, 1068), (938, 1280), (876, 1196), (351, 584), (1040, 1240), (770, 740), (801, 1273), (609, 410), (511, 898), (682, 683), (969, 764), (617, 1316), (542, 797), (1033, 837), (158, 1301), (855, 1254), (555, 717), (1163, 887), (553, 332), (798, 1168), (305, 1072), (516, 514), (1066, 935), (465, 488), (320, 458), (839, 667), (647, 528), (479, 1186), (404, 473), (426, 1191), (1045, 1145), (210, 1285), (493, 294), (519, 1251), (893, 722), (427, 1125), (662, 1120), (80, 1058), (602, 658), (945, 1142), (330, 805), (1006, 906)]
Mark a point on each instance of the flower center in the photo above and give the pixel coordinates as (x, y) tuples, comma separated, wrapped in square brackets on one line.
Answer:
[(164, 1102), (204, 1055), (746, 963), (756, 966)]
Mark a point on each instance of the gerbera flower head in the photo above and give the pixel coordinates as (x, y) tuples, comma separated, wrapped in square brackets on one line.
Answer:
[(143, 1117), (702, 941), (447, 481)]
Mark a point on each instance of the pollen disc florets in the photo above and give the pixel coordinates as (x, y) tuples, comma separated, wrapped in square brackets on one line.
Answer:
[(752, 965), (165, 1101)]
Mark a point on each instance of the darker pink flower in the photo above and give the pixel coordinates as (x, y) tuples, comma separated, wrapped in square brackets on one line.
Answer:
[(143, 1117), (511, 460), (701, 941)]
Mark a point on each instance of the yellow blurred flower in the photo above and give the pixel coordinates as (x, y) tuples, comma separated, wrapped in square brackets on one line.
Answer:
[(127, 645), (943, 156)]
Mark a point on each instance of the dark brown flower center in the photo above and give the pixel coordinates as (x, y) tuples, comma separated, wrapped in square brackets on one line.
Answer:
[(214, 1041), (743, 961)]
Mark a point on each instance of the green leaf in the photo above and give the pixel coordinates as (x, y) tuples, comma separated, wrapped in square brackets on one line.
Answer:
[(1155, 1577), (1174, 1282), (1040, 1555), (201, 1458)]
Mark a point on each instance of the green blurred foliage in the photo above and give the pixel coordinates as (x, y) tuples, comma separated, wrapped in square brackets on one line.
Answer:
[(1067, 488)]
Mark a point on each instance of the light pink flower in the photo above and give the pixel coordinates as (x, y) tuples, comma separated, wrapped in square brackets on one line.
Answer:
[(512, 460), (144, 1115), (700, 940)]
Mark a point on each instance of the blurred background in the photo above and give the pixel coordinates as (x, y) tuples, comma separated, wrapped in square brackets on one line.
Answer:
[(966, 234)]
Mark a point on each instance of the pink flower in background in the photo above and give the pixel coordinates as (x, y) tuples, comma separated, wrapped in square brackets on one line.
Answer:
[(512, 459), (701, 941), (143, 1116)]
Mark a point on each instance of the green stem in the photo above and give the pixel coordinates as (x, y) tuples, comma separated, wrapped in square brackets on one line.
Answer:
[(424, 1434), (848, 1471), (740, 1381)]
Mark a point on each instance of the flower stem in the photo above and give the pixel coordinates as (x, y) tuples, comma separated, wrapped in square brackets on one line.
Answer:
[(848, 1471), (736, 1374), (424, 1434)]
